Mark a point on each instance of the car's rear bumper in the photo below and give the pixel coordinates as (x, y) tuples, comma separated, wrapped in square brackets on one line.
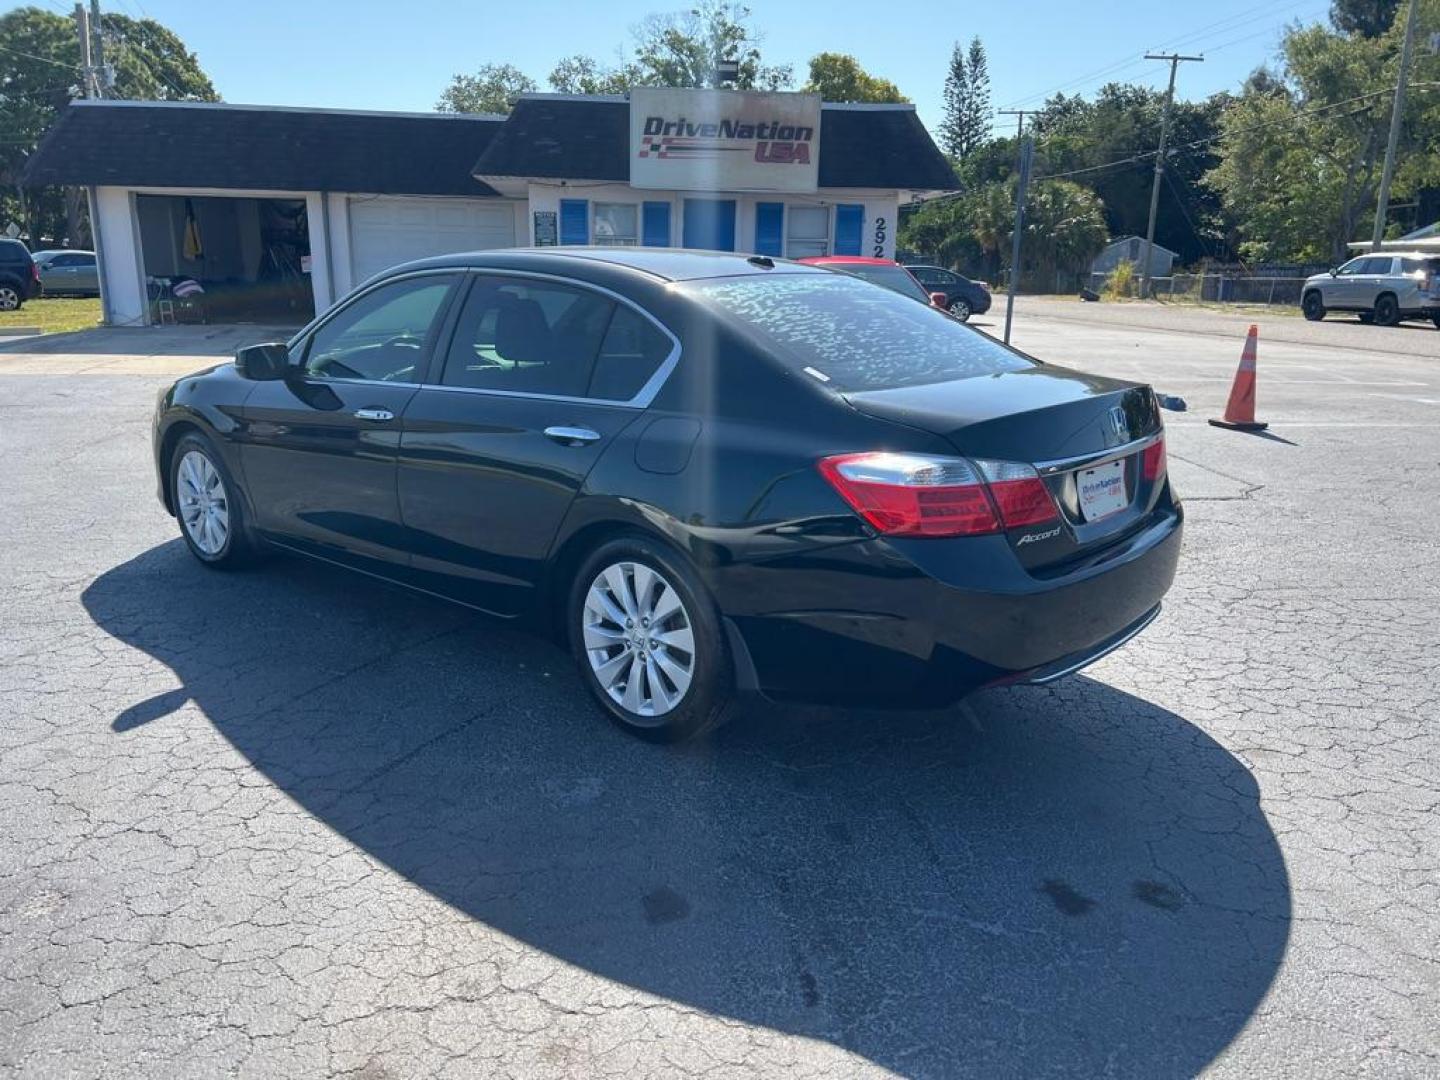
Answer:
[(922, 623)]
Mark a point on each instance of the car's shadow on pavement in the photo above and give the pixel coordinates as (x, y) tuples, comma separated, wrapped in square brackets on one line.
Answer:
[(1070, 881)]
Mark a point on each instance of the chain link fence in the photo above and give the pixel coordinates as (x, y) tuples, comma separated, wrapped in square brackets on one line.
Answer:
[(1217, 288)]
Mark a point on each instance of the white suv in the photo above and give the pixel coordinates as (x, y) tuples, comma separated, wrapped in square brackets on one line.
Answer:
[(1382, 288)]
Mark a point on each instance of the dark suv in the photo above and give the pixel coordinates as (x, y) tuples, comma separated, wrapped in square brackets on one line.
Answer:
[(19, 277), (963, 297)]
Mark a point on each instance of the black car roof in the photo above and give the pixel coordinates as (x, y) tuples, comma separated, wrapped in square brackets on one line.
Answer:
[(664, 264)]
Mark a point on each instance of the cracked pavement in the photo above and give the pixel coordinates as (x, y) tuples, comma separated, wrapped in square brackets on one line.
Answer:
[(294, 823)]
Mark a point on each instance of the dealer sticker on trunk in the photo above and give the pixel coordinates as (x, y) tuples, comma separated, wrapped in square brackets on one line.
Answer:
[(1101, 490)]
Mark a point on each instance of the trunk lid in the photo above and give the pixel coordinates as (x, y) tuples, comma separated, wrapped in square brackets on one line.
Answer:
[(1085, 433)]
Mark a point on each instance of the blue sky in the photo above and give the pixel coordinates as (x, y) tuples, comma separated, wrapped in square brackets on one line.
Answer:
[(366, 54)]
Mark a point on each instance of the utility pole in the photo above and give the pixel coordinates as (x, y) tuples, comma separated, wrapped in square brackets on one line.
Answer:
[(1027, 147), (1175, 61), (97, 51), (1397, 115), (91, 82)]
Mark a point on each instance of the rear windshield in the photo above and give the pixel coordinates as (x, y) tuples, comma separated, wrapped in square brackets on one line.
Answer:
[(891, 277), (852, 336)]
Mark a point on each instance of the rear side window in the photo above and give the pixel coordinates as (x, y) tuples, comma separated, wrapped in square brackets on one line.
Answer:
[(527, 337), (632, 351), (889, 277), (852, 336), (1377, 266)]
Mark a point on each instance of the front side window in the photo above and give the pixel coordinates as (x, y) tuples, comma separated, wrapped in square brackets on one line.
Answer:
[(807, 231), (524, 336), (382, 335), (1351, 268), (851, 336), (617, 223)]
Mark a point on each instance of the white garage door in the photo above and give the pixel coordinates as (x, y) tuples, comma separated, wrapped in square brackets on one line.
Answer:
[(385, 231)]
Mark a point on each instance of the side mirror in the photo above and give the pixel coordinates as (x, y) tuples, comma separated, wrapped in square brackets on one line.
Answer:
[(938, 299), (263, 363), (1334, 270)]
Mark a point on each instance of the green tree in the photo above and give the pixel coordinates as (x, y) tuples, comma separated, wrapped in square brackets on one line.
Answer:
[(1108, 137), (580, 74), (151, 62), (684, 49), (1301, 157), (966, 123), (839, 77), (977, 97), (489, 90), (1368, 18), (1064, 230), (40, 74)]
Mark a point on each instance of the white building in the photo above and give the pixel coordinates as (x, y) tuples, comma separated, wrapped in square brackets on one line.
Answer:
[(278, 212)]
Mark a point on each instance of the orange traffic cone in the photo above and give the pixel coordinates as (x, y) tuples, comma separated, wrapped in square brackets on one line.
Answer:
[(1240, 409)]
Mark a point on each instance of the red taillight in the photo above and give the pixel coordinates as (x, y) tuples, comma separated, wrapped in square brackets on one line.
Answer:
[(1019, 493), (34, 271), (920, 495), (912, 494), (1152, 462)]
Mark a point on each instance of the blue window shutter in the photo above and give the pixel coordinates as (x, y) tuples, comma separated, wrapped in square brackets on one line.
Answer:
[(769, 228), (655, 224), (849, 225), (575, 221)]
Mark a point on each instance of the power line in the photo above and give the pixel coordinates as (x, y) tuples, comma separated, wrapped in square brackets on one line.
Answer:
[(155, 69), (1214, 29), (1139, 156), (42, 59)]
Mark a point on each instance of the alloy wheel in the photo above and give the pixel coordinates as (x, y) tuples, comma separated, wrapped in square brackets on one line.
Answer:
[(204, 504), (638, 638), (960, 309), (9, 298)]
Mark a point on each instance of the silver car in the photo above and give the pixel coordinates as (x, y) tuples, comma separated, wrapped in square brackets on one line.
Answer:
[(1383, 288), (68, 272)]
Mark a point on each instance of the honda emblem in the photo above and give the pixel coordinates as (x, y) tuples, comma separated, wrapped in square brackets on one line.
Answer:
[(1119, 425)]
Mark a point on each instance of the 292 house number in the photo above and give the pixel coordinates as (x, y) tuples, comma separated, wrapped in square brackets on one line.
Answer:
[(880, 230)]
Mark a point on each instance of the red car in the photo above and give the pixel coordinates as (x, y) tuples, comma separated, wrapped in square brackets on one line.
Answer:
[(886, 272)]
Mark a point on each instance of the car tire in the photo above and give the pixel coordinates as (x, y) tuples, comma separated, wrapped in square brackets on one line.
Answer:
[(1366, 317), (662, 688), (208, 506), (1313, 307), (960, 308), (1387, 310), (11, 298), (1436, 320)]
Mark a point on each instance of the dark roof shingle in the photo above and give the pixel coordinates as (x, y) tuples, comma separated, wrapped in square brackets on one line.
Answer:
[(153, 144)]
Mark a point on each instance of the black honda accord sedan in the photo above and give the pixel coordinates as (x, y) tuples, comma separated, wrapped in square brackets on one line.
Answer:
[(705, 473)]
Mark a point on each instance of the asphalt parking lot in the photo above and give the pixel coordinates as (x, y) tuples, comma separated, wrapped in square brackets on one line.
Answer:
[(292, 823)]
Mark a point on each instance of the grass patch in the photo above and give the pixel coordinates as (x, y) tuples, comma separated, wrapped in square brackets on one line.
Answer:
[(56, 314)]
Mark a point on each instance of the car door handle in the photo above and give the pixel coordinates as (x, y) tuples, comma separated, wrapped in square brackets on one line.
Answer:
[(572, 436), (378, 415)]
